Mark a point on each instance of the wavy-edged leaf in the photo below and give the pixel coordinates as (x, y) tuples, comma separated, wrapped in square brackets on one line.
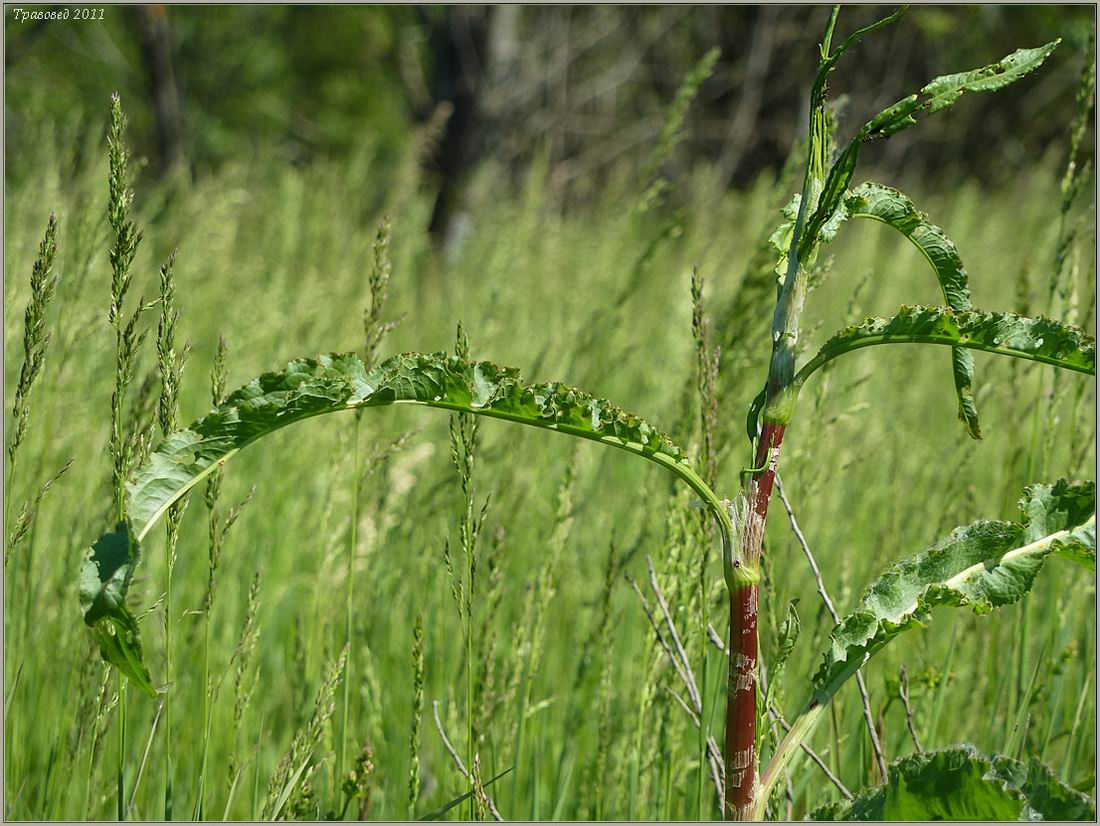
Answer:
[(329, 384), (889, 206), (983, 566), (1037, 339), (937, 95), (892, 207), (780, 240), (1048, 798), (943, 91), (961, 784)]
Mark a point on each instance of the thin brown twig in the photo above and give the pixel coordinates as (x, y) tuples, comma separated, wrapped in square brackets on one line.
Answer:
[(813, 755), (683, 704), (458, 760), (715, 638), (692, 687), (714, 754), (447, 742), (868, 716), (903, 692), (657, 630)]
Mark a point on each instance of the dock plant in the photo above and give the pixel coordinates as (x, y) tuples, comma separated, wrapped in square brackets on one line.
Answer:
[(983, 565)]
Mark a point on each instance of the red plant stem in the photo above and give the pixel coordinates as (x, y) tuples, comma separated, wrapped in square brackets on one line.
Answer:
[(741, 705), (741, 760)]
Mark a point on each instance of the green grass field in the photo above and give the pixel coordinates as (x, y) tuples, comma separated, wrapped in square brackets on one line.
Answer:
[(570, 688)]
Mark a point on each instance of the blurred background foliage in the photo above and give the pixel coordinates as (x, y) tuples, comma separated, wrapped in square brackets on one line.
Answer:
[(582, 89)]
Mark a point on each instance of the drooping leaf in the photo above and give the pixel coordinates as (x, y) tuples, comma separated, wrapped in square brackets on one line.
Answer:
[(104, 580), (961, 784), (1037, 339), (328, 384), (891, 207), (984, 565)]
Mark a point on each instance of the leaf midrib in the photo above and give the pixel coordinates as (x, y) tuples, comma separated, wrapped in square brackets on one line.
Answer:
[(822, 359)]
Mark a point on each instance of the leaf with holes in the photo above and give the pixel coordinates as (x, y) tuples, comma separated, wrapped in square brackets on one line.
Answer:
[(935, 96), (983, 566), (330, 384), (943, 91)]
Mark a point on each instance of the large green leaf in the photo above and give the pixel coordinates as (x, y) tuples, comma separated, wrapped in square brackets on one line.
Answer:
[(1037, 339), (936, 96), (983, 566), (961, 784), (891, 207), (1047, 796), (328, 384)]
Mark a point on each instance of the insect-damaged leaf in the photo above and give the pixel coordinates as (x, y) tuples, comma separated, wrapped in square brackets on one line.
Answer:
[(1036, 339), (961, 784), (937, 95), (328, 384), (942, 92), (946, 89), (891, 207), (984, 565)]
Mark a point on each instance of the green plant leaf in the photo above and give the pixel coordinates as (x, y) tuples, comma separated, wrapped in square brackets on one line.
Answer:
[(329, 384), (961, 784), (1037, 339), (936, 96), (942, 92), (105, 578), (891, 207), (984, 565), (946, 89), (1048, 798)]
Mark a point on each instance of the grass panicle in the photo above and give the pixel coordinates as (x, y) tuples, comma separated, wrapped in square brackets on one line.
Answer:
[(417, 715), (303, 747), (36, 338)]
